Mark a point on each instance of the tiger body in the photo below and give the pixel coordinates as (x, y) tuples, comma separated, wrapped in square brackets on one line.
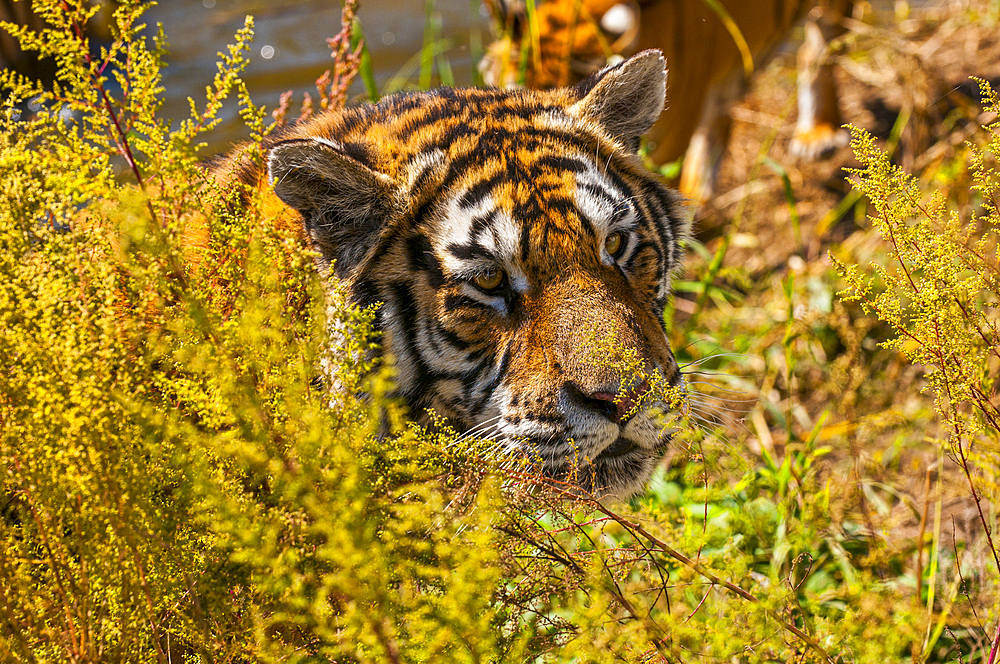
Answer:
[(708, 73), (499, 230)]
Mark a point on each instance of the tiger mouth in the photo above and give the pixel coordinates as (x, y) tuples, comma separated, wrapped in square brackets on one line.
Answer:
[(619, 469), (619, 448), (624, 447)]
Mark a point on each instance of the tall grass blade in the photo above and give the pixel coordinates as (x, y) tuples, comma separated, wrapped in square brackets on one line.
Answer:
[(366, 70)]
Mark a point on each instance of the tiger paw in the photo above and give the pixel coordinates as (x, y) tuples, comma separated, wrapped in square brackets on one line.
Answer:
[(818, 142)]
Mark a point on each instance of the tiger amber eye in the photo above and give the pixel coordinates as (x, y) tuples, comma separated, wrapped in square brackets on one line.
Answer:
[(613, 243), (489, 279)]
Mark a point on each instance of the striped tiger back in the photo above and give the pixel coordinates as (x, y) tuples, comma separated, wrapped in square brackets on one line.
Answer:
[(500, 228)]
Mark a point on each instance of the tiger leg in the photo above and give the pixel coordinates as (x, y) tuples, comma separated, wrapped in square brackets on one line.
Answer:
[(708, 142), (818, 130)]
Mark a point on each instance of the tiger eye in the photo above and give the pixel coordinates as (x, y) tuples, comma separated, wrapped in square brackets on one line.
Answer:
[(614, 243), (489, 279)]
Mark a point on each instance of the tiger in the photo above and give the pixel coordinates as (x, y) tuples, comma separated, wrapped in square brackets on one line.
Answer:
[(498, 231), (709, 74)]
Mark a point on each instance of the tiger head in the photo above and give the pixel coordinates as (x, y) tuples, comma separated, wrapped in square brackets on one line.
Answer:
[(502, 231)]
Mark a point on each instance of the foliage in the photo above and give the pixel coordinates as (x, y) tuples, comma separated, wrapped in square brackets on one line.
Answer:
[(938, 291), (938, 294), (178, 482)]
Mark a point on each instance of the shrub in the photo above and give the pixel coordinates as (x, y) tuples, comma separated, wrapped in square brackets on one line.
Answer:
[(937, 289)]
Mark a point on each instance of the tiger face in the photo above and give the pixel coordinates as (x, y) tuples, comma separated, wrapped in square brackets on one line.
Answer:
[(502, 231)]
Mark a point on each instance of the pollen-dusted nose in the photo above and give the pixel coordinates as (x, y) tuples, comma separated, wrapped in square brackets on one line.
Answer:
[(617, 407)]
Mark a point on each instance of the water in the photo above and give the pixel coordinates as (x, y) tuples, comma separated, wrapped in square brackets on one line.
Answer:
[(289, 51)]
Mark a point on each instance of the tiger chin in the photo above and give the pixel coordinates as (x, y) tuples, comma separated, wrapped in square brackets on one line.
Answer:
[(499, 230)]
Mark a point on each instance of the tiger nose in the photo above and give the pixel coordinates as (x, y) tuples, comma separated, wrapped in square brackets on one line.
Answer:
[(617, 407)]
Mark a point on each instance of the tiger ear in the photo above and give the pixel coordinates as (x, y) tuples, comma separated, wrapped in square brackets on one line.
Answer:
[(625, 99), (343, 203)]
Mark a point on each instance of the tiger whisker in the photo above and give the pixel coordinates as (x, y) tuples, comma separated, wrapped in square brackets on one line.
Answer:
[(705, 407), (709, 374), (479, 429), (695, 363), (720, 393), (710, 399)]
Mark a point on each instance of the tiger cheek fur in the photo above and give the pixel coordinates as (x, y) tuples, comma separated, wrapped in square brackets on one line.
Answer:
[(503, 231)]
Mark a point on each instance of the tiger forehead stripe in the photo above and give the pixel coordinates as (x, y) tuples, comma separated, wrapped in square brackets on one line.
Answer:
[(484, 125), (534, 210), (421, 115), (514, 225), (600, 202)]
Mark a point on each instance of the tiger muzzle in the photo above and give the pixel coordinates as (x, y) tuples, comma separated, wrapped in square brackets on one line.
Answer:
[(617, 407)]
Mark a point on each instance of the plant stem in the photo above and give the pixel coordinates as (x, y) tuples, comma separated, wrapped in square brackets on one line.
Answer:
[(121, 139), (996, 642)]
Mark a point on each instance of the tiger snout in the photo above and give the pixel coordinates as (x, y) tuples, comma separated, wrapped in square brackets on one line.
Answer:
[(585, 409), (606, 441), (617, 406)]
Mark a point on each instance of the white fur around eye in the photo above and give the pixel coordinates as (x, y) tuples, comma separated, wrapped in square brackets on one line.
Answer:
[(498, 302), (596, 208)]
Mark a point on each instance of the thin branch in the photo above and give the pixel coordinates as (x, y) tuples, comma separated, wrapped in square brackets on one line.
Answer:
[(979, 508), (120, 137), (996, 642), (711, 587)]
